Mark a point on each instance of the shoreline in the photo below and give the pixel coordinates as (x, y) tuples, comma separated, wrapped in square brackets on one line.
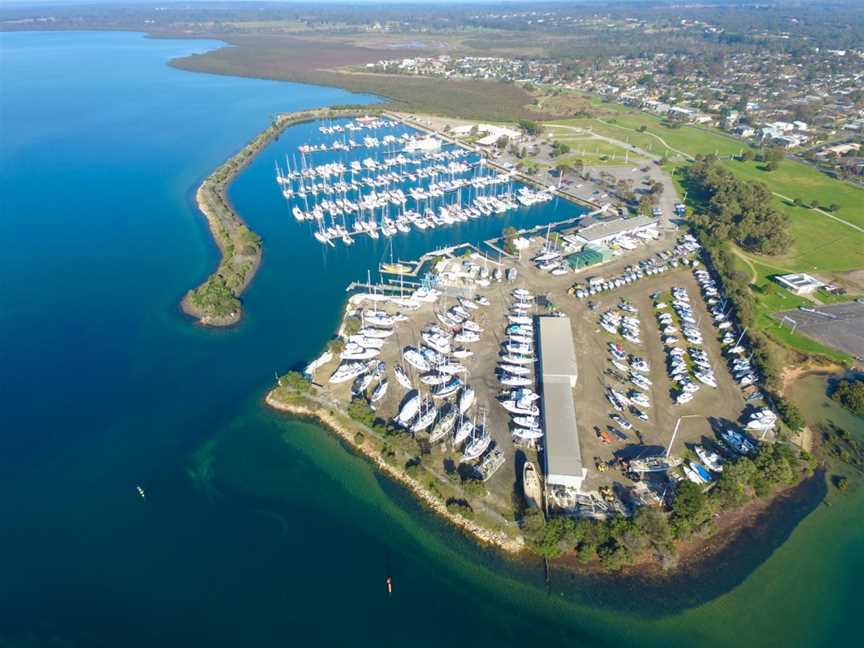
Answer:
[(306, 407), (216, 301), (761, 517)]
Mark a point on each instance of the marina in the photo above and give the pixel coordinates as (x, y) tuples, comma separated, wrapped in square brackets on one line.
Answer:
[(392, 183)]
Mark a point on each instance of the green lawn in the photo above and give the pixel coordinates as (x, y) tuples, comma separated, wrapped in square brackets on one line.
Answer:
[(590, 150), (687, 139), (797, 180), (772, 298), (821, 244)]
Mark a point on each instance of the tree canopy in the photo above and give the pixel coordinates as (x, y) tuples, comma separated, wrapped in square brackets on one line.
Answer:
[(738, 210)]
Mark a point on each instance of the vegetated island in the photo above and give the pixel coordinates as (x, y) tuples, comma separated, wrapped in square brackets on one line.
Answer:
[(216, 302)]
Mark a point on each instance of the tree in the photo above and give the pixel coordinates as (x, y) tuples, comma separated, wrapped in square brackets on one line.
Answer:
[(294, 380), (559, 148), (509, 233), (360, 411), (563, 168), (530, 127), (654, 525), (734, 485), (841, 483), (689, 510), (474, 487), (850, 394), (738, 210), (774, 154), (790, 414)]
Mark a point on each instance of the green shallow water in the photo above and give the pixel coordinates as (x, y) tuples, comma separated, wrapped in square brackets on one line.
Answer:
[(257, 529)]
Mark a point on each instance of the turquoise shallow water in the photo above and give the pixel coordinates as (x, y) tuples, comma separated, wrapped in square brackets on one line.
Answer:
[(256, 530)]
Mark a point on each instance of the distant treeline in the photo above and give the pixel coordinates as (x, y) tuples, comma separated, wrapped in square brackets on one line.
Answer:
[(603, 30)]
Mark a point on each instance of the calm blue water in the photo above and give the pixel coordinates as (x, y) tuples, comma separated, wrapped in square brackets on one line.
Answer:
[(256, 530)]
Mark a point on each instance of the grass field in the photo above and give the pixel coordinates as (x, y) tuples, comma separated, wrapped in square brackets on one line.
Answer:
[(591, 151), (658, 139), (797, 180)]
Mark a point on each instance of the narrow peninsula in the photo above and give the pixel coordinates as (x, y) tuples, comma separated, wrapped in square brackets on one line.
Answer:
[(216, 302)]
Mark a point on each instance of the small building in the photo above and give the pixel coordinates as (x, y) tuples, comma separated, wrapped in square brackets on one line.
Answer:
[(604, 231), (588, 256), (563, 451), (491, 133), (799, 283)]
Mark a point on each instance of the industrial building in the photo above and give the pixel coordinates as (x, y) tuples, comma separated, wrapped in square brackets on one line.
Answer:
[(563, 453), (605, 231)]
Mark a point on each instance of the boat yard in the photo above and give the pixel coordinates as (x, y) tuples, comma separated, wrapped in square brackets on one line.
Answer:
[(554, 409)]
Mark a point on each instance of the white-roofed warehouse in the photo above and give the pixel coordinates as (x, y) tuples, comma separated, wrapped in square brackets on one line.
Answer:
[(563, 452)]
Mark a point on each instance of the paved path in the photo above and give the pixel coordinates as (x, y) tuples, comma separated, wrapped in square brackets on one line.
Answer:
[(610, 140), (686, 156), (824, 213)]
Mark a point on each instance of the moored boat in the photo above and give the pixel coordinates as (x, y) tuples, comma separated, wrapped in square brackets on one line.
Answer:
[(531, 486)]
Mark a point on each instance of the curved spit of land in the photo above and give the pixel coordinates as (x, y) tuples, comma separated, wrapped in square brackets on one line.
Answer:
[(330, 413), (216, 302)]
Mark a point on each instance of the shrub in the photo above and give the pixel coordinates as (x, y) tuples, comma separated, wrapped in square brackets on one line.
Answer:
[(850, 394), (294, 380), (460, 507)]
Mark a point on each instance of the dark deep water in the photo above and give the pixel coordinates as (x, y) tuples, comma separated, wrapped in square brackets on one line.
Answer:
[(256, 530)]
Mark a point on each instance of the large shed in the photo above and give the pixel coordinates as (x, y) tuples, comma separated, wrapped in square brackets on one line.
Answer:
[(563, 452)]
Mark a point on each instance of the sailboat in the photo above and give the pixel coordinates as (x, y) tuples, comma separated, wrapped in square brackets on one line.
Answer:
[(478, 444), (463, 431), (402, 377), (466, 399), (427, 415), (444, 426), (408, 411), (379, 391)]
